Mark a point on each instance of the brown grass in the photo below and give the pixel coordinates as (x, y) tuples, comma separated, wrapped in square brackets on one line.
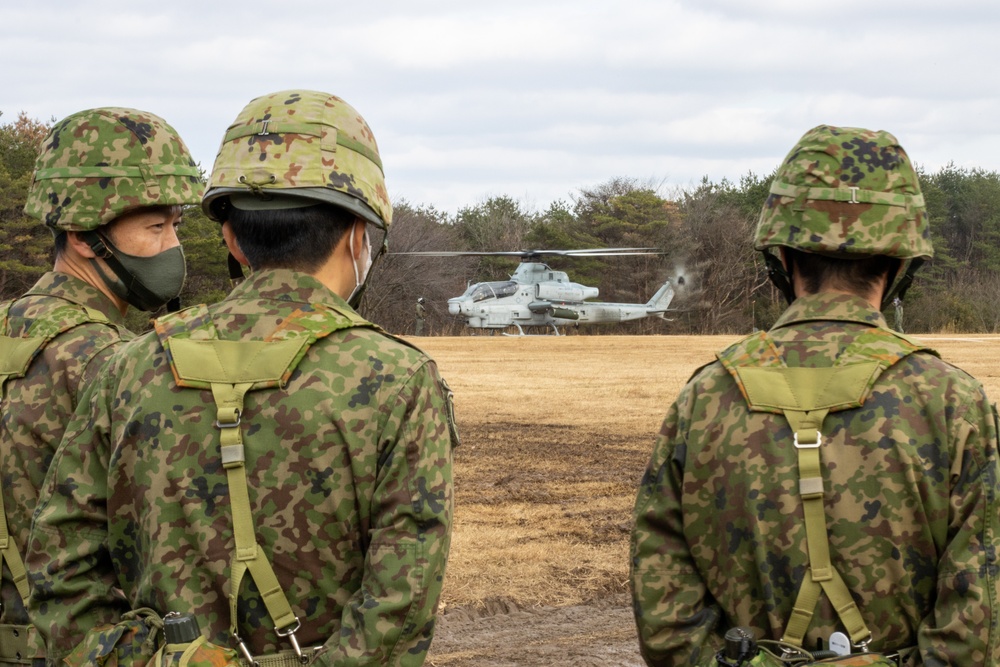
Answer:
[(555, 435)]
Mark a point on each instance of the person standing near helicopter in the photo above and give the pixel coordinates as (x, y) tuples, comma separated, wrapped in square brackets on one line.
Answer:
[(110, 184), (829, 483), (421, 312), (281, 468)]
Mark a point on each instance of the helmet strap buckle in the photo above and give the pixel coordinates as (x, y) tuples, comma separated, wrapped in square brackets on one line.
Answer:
[(96, 243)]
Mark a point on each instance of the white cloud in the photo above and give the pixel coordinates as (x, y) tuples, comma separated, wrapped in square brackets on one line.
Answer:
[(533, 98)]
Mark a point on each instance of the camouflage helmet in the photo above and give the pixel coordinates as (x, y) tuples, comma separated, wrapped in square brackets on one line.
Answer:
[(97, 164), (299, 146), (851, 193)]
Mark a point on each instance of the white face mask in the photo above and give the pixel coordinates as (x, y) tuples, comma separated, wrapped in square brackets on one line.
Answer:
[(360, 276)]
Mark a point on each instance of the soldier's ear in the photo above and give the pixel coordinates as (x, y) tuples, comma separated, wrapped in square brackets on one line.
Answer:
[(356, 244), (232, 244), (74, 241)]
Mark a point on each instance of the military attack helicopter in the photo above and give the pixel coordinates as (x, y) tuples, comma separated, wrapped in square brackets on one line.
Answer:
[(537, 296)]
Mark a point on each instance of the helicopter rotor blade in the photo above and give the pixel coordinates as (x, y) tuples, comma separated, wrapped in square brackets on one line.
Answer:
[(532, 254)]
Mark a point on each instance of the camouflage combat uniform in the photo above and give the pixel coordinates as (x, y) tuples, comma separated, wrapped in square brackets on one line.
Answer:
[(37, 407), (912, 513), (349, 469), (93, 167)]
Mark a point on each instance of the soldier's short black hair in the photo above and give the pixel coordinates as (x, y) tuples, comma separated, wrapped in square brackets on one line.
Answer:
[(853, 275), (60, 243), (301, 239)]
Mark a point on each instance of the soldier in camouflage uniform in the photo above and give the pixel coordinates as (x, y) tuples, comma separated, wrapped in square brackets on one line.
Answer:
[(105, 179), (905, 463), (275, 441)]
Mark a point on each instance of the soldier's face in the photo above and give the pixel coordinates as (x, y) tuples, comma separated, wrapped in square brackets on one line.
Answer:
[(146, 232)]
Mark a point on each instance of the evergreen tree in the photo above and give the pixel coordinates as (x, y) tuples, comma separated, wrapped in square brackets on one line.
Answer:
[(25, 243)]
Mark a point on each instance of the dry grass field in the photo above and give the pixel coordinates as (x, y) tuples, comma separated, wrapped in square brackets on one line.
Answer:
[(555, 435)]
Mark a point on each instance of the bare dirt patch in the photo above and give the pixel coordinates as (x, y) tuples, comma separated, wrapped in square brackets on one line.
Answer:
[(556, 433)]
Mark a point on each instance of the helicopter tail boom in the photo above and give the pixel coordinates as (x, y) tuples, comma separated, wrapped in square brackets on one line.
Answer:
[(660, 303)]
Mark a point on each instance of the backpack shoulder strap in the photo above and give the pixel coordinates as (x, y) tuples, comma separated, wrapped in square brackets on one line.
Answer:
[(835, 387), (17, 352), (805, 396), (231, 368), (16, 355)]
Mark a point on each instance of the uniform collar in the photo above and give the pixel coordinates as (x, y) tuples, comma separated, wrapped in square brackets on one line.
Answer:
[(79, 292), (831, 306), (287, 285)]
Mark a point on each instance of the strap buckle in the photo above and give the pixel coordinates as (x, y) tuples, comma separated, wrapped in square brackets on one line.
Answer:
[(241, 645), (290, 633), (808, 445), (863, 644), (235, 423)]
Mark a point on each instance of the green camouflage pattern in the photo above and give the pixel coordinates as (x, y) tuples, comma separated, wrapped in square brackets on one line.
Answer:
[(133, 641), (36, 408), (97, 164), (910, 495), (305, 144), (846, 191), (349, 470), (200, 654), (772, 658), (138, 641)]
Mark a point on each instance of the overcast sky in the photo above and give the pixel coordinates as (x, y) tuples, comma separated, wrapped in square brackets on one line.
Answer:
[(533, 98)]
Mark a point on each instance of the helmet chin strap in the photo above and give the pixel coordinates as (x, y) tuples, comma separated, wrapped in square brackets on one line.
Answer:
[(354, 300), (235, 270), (895, 287), (779, 276), (902, 282)]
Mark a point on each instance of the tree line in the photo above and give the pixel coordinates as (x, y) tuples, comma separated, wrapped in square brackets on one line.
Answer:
[(705, 234)]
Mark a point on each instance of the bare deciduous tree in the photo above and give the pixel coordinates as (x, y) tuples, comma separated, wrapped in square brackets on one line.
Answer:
[(724, 273), (397, 281)]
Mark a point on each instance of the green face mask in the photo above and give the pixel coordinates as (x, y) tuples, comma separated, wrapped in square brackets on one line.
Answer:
[(144, 282)]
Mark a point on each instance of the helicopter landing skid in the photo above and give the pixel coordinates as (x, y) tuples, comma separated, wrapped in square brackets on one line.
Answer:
[(520, 332)]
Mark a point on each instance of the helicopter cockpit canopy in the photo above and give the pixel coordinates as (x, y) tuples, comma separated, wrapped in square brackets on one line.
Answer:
[(494, 290)]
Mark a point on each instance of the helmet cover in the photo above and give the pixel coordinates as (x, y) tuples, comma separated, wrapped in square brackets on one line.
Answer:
[(97, 164), (844, 192), (299, 145)]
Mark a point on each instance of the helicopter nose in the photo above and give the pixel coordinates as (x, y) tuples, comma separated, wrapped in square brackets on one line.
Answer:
[(454, 307)]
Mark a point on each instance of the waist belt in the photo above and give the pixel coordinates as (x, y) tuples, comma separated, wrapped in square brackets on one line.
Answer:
[(20, 643), (281, 659)]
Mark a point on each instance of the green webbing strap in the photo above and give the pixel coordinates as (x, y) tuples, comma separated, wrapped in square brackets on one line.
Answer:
[(9, 553), (247, 557), (16, 354), (20, 643), (95, 315), (833, 388), (848, 195), (805, 396), (334, 137), (822, 575), (200, 359), (118, 172), (232, 368)]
